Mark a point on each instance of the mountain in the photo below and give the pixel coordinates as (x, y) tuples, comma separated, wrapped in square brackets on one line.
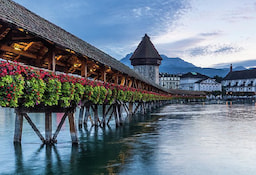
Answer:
[(179, 66)]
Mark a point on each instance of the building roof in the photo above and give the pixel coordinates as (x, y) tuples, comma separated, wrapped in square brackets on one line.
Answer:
[(17, 15), (239, 75), (194, 75), (199, 81), (146, 53)]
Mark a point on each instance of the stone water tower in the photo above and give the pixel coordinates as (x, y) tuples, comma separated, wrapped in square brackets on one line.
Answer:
[(146, 60)]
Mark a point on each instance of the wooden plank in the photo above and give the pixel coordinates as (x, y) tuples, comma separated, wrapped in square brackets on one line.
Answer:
[(41, 108), (48, 127), (34, 127), (18, 128), (72, 128)]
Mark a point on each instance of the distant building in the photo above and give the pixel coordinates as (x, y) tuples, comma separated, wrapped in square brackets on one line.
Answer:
[(240, 83), (194, 81), (169, 81), (146, 60)]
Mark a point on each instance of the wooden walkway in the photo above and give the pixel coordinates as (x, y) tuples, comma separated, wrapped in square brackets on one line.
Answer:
[(30, 40)]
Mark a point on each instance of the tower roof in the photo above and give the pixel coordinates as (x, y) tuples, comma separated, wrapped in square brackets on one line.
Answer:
[(146, 53)]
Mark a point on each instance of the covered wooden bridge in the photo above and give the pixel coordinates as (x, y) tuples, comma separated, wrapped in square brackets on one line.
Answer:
[(45, 60)]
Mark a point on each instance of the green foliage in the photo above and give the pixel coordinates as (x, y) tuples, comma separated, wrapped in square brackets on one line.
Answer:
[(88, 92), (67, 93), (52, 92), (79, 92), (110, 97), (11, 90), (34, 91)]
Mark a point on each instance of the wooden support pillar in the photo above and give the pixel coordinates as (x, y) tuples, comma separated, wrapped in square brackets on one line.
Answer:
[(72, 128), (84, 68), (96, 115), (81, 114), (104, 115), (52, 60), (120, 115), (87, 113), (116, 117), (130, 83), (48, 127), (116, 79), (103, 75), (123, 81), (18, 127)]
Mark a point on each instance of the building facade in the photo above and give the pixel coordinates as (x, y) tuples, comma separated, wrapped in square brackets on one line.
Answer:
[(240, 83), (194, 81), (169, 81), (146, 60)]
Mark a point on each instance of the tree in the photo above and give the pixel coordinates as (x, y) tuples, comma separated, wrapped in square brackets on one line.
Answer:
[(218, 78)]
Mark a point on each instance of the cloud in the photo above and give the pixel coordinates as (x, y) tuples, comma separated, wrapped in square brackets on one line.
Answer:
[(213, 50), (206, 34), (242, 13)]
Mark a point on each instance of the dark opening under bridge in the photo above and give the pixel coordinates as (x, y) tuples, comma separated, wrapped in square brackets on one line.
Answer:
[(49, 70)]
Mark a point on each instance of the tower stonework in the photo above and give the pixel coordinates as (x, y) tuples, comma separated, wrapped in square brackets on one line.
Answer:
[(146, 60)]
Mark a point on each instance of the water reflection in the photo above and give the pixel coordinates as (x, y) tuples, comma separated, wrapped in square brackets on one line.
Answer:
[(178, 139)]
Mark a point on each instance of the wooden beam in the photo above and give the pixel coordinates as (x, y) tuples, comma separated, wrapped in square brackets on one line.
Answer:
[(59, 127), (23, 39), (19, 52), (28, 46), (34, 127)]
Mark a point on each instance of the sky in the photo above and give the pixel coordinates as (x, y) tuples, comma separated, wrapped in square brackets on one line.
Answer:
[(207, 33)]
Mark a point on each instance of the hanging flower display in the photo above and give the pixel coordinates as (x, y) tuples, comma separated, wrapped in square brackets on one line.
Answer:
[(21, 85)]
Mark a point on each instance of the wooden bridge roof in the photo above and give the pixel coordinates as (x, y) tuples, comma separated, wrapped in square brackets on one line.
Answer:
[(28, 38)]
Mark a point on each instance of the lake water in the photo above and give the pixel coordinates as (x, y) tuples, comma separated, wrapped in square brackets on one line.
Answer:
[(177, 139)]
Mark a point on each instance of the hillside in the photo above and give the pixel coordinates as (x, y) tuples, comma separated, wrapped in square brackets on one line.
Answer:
[(179, 66)]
